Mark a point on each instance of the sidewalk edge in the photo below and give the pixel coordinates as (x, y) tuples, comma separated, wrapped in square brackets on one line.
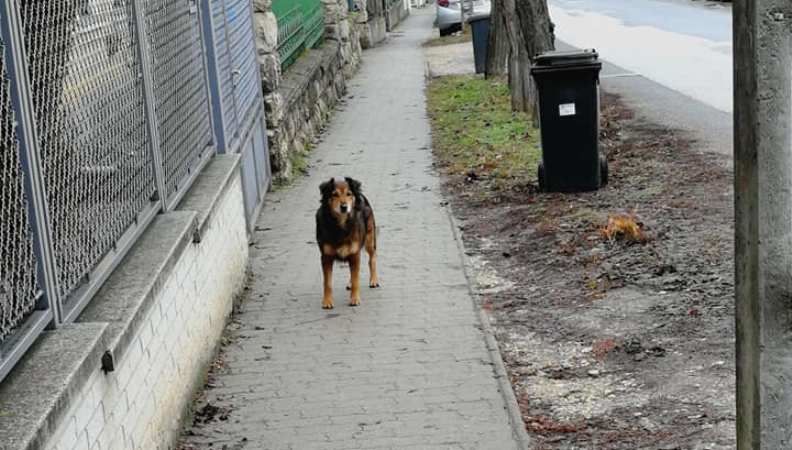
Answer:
[(513, 410)]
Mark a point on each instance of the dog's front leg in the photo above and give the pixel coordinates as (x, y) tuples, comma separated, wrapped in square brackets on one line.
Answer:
[(354, 271), (327, 272)]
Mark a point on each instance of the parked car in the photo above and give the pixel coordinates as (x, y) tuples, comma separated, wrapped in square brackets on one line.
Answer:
[(449, 18)]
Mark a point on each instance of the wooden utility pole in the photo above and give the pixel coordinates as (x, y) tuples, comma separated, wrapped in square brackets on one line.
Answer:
[(763, 222)]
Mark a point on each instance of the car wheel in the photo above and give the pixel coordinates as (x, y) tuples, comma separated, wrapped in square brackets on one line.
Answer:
[(446, 31)]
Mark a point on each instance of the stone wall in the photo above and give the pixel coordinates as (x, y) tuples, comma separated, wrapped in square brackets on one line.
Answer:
[(266, 27), (340, 27), (299, 101), (370, 18), (394, 14)]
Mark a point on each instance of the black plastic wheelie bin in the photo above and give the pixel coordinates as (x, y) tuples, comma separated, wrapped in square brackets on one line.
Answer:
[(480, 27), (568, 85)]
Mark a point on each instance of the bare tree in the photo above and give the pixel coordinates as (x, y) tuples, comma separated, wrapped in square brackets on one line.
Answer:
[(499, 45), (526, 25)]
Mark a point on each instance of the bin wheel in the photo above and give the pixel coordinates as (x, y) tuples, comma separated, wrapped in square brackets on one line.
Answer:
[(450, 30), (603, 170), (540, 176)]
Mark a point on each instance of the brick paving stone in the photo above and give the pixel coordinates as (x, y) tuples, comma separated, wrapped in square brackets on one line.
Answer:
[(409, 368)]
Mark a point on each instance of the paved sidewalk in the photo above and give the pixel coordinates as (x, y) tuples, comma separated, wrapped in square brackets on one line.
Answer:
[(410, 367)]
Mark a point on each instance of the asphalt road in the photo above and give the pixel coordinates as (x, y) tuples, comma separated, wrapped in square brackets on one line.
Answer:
[(669, 59)]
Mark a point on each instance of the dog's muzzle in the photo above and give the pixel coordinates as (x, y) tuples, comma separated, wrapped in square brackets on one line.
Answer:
[(344, 208)]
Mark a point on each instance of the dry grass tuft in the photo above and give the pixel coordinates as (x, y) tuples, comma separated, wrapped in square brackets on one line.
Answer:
[(623, 227)]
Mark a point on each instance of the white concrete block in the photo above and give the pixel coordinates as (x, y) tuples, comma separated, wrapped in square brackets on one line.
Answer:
[(139, 404)]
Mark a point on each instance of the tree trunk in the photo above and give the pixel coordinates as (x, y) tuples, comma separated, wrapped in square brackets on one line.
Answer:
[(533, 34), (499, 45)]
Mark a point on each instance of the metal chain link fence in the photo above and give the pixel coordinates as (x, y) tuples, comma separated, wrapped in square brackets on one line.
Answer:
[(17, 261), (182, 102), (83, 69), (300, 26), (104, 90)]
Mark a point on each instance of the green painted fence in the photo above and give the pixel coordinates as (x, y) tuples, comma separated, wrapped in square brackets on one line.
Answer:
[(300, 26)]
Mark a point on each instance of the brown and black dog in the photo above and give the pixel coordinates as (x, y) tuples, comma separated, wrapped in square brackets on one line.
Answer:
[(344, 225)]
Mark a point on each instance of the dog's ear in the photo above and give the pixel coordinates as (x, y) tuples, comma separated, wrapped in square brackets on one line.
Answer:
[(354, 185), (326, 189)]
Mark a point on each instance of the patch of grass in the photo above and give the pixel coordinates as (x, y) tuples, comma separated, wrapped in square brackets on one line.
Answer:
[(300, 163), (300, 167), (475, 133), (456, 38)]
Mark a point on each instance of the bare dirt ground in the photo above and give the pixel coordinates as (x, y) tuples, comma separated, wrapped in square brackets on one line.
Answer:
[(615, 337), (452, 59)]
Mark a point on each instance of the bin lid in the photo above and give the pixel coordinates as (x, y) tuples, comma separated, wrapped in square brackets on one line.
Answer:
[(478, 16), (568, 58)]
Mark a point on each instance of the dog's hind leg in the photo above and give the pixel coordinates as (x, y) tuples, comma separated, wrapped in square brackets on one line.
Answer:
[(354, 272), (327, 272), (371, 249)]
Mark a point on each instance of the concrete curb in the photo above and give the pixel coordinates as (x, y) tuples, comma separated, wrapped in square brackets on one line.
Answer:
[(515, 416)]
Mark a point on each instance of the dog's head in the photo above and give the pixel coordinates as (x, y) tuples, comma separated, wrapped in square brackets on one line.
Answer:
[(341, 195)]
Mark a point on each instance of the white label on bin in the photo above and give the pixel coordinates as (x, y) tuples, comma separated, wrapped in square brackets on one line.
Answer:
[(566, 109)]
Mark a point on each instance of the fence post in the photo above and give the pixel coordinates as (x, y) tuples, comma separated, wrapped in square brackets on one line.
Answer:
[(148, 96), (205, 17), (213, 77), (30, 159)]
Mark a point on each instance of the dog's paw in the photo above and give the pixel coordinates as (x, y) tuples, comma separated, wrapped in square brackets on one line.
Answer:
[(348, 287), (354, 302), (327, 304), (374, 284)]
